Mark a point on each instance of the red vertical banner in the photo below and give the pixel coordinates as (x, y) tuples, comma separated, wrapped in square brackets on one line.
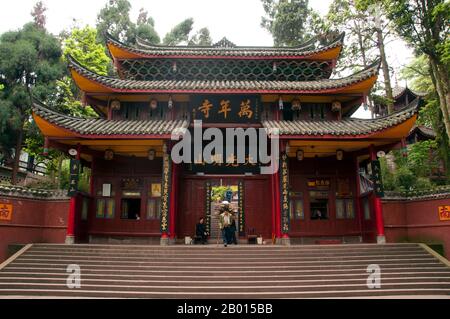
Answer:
[(284, 195), (173, 194), (165, 196)]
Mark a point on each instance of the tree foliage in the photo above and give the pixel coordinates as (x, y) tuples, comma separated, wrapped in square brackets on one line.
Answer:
[(82, 45), (38, 14), (201, 38), (425, 26), (179, 33), (291, 22), (30, 63)]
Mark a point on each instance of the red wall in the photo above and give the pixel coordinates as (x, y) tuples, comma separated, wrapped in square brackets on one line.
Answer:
[(417, 221), (113, 172), (33, 221), (331, 169)]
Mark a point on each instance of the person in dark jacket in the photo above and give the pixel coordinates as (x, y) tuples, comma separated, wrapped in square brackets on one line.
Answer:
[(232, 230), (200, 231)]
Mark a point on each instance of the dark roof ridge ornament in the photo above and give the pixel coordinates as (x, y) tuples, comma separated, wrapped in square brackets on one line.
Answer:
[(224, 43)]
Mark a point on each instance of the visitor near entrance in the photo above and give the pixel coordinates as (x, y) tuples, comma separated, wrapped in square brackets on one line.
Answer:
[(233, 239), (200, 231), (225, 222)]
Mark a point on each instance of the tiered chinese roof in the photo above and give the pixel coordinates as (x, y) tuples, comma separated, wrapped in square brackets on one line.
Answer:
[(349, 127), (346, 127), (226, 49), (90, 82), (70, 126), (180, 73)]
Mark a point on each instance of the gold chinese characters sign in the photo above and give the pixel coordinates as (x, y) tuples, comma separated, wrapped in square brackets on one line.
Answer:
[(165, 194), (444, 213), (226, 109), (208, 205), (284, 189), (241, 208), (6, 212), (156, 190)]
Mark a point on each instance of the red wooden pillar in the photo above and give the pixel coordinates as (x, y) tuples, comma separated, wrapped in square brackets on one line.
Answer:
[(274, 214), (377, 206), (70, 233)]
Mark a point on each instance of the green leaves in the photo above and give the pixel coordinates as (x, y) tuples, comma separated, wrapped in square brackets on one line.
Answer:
[(83, 46), (290, 22), (180, 33)]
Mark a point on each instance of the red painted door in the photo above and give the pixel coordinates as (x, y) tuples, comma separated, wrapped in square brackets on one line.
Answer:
[(191, 205)]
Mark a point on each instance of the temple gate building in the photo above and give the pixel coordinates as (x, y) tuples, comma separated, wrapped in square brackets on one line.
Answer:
[(322, 191)]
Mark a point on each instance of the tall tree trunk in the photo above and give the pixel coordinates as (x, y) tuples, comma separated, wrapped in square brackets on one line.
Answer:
[(18, 151), (385, 67), (362, 49), (444, 102)]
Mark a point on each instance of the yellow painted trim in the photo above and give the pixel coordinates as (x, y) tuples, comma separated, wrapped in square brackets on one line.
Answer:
[(399, 131), (87, 85), (49, 129), (120, 53), (329, 54)]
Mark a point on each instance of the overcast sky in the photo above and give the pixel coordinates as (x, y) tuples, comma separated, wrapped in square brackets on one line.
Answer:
[(238, 20)]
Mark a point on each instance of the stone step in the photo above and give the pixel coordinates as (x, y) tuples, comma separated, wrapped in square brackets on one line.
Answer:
[(330, 271), (216, 289), (211, 259), (217, 272), (356, 274), (209, 282)]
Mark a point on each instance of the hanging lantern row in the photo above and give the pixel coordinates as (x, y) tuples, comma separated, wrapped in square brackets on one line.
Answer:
[(115, 105), (296, 105), (280, 103), (336, 106), (109, 155), (151, 154), (301, 155), (339, 155)]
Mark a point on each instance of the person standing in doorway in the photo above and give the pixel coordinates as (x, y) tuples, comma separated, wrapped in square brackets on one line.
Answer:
[(225, 218)]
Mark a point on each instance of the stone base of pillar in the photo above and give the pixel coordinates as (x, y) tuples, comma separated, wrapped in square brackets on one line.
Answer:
[(70, 240), (381, 239), (165, 241), (284, 241)]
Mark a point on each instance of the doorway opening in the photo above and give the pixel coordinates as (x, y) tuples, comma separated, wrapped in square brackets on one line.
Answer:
[(223, 190), (131, 208)]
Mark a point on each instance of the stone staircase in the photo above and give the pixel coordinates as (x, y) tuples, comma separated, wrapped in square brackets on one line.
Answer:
[(213, 271)]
